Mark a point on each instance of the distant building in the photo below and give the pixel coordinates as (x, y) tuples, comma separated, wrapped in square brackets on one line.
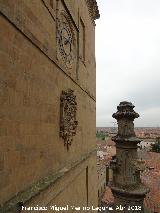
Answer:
[(146, 145)]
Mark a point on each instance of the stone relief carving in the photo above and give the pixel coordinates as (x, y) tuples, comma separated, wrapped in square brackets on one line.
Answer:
[(139, 164), (68, 122), (93, 9), (66, 39)]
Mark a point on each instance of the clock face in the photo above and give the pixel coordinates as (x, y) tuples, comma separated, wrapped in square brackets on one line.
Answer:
[(65, 40)]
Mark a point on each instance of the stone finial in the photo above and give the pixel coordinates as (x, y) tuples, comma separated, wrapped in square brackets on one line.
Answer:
[(126, 186), (125, 116), (125, 110)]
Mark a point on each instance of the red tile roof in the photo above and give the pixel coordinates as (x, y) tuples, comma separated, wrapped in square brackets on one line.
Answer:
[(151, 178)]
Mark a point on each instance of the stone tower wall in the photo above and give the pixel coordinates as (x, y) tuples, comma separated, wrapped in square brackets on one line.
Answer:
[(35, 166)]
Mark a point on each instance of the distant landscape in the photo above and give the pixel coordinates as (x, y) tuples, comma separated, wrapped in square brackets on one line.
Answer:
[(148, 150), (141, 132)]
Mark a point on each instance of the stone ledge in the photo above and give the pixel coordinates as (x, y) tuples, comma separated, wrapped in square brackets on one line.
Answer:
[(138, 191)]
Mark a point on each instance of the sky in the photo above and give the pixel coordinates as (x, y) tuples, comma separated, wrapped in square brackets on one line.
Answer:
[(128, 60)]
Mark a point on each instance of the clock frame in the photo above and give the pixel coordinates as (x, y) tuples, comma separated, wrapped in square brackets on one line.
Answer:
[(66, 39)]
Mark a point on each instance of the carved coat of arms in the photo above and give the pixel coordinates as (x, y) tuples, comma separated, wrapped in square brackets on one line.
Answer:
[(68, 123)]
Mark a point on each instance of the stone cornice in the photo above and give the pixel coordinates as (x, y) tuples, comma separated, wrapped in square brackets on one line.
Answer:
[(135, 191), (93, 9)]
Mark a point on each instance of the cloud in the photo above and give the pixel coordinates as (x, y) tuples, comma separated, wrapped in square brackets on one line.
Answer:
[(127, 54)]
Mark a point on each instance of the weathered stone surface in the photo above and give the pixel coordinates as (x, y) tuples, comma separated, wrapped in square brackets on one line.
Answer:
[(127, 187), (32, 79)]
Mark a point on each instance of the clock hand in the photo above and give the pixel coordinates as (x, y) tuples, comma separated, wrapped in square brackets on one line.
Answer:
[(68, 40)]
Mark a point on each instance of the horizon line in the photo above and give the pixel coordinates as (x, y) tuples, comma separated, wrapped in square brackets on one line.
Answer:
[(134, 127)]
